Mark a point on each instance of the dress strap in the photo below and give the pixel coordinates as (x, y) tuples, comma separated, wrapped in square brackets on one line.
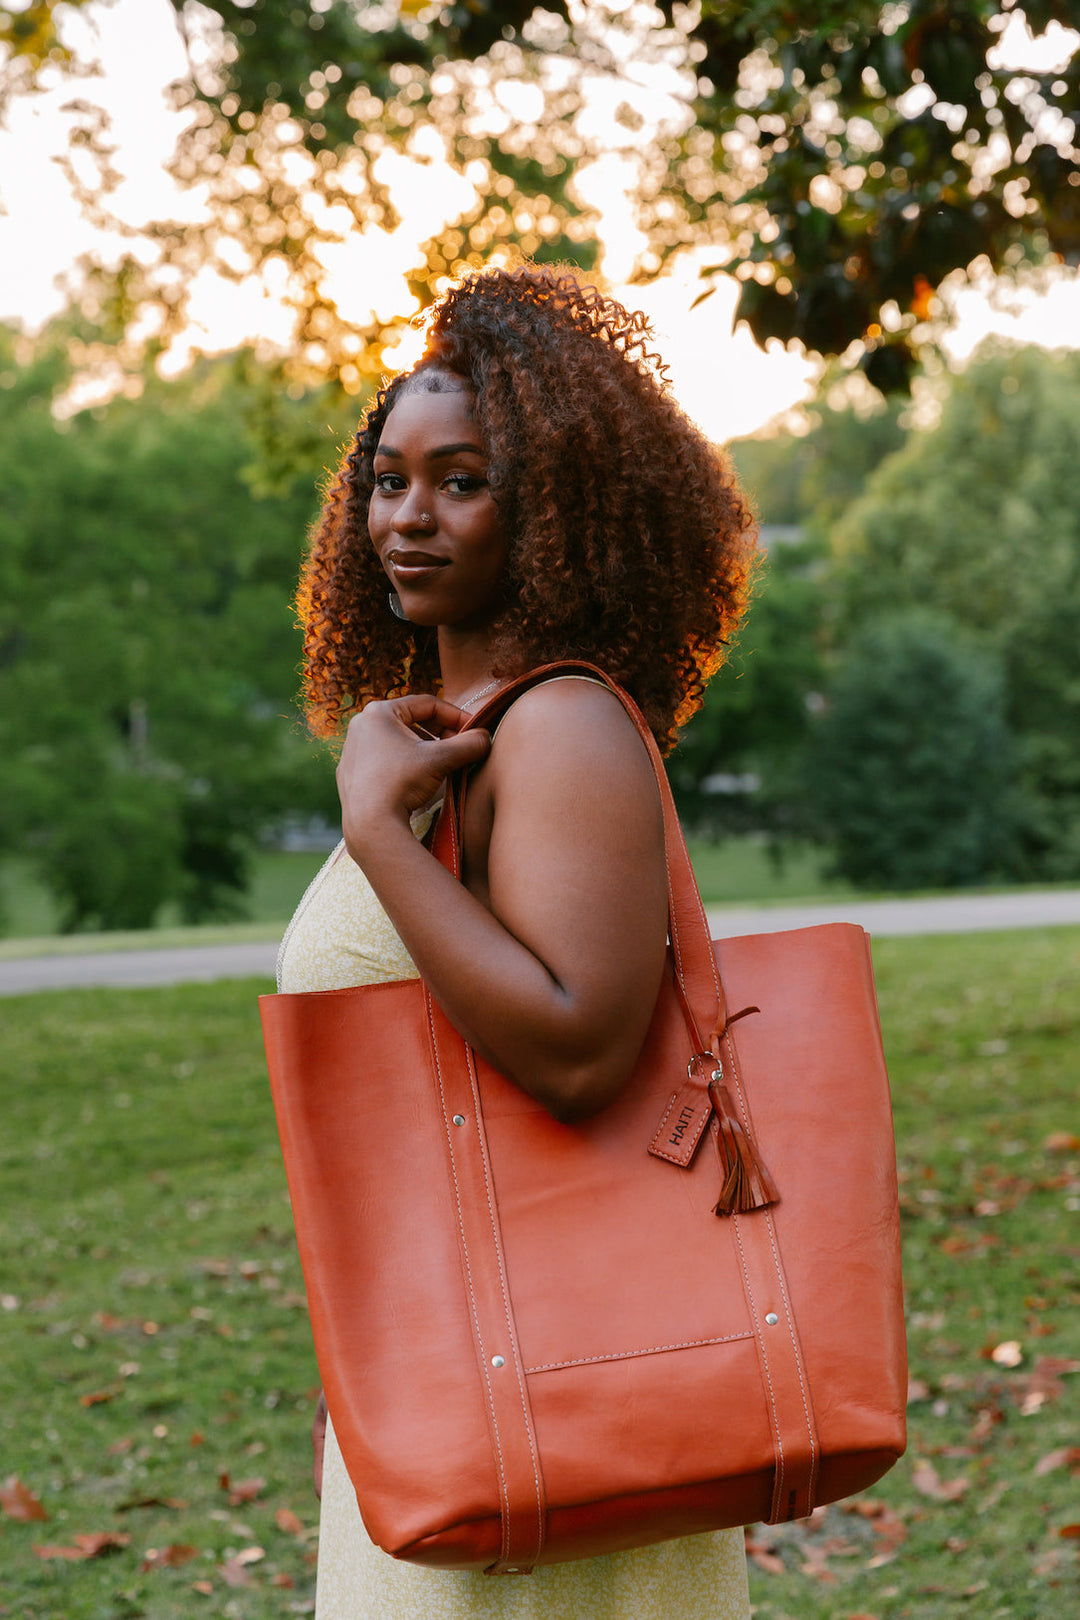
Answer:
[(549, 681)]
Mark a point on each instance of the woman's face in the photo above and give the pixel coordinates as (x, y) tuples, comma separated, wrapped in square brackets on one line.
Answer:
[(432, 518)]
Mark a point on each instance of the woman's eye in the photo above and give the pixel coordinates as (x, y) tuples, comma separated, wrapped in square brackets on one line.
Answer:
[(389, 483), (465, 483)]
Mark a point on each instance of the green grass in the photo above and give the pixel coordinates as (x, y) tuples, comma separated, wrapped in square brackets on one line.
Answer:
[(278, 879), (149, 1265), (741, 871), (732, 873)]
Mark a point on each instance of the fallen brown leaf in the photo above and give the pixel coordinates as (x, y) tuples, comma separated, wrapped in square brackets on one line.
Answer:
[(989, 1416), (1063, 1457), (1071, 1532), (1007, 1354), (917, 1391), (814, 1565), (287, 1520), (282, 1579), (1043, 1384), (19, 1502), (175, 1502), (924, 1477), (1061, 1142), (245, 1490), (1051, 1562), (233, 1573), (94, 1544), (107, 1321), (170, 1557), (206, 1588), (97, 1397), (765, 1559), (865, 1507)]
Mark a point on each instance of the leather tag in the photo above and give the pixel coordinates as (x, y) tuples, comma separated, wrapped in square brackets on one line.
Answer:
[(682, 1126)]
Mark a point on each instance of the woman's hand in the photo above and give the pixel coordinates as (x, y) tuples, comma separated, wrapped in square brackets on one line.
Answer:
[(396, 757), (548, 956)]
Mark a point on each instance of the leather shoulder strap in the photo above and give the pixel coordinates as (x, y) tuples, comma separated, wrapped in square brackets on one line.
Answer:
[(695, 963)]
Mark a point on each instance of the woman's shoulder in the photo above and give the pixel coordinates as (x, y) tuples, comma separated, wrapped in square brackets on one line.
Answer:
[(561, 700), (575, 725)]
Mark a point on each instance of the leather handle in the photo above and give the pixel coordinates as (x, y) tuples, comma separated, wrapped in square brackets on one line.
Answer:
[(691, 945)]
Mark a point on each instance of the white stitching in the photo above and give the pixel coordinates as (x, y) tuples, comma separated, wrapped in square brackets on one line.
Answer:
[(797, 1357), (744, 1110), (628, 1355), (503, 1489), (764, 1359), (506, 1308), (667, 1112), (680, 1160)]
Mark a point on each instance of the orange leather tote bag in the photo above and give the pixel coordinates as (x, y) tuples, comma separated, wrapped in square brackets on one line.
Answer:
[(542, 1342)]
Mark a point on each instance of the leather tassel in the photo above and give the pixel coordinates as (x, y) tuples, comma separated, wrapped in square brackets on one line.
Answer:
[(747, 1182)]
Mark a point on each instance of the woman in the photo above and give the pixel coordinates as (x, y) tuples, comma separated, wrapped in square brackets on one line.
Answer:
[(529, 492)]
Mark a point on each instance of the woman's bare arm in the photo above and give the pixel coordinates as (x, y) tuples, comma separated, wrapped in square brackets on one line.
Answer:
[(555, 983)]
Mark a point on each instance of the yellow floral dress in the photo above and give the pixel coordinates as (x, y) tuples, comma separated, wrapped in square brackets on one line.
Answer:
[(341, 936)]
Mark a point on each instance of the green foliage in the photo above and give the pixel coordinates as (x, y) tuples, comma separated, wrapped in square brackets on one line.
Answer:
[(147, 651), (754, 719), (843, 159), (872, 194), (910, 769), (810, 479), (978, 518), (30, 43)]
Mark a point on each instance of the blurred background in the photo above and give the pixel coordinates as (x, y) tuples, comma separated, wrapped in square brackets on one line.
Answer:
[(856, 233), (856, 228)]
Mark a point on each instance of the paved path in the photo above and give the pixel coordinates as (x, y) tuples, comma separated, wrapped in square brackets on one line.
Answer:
[(953, 914), (176, 965)]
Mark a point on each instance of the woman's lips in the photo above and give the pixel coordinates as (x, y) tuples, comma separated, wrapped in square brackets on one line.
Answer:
[(413, 567)]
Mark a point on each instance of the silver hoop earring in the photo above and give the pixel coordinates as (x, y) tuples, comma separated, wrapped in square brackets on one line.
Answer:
[(395, 606)]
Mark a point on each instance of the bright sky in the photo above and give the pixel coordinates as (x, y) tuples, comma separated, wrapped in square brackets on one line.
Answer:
[(722, 379)]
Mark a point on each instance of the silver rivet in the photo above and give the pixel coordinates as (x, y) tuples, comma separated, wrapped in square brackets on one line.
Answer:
[(497, 1361), (459, 1119), (772, 1319)]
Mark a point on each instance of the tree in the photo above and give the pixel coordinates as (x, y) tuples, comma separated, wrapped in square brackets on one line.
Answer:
[(910, 770), (843, 159), (147, 651), (756, 719), (735, 767), (978, 518)]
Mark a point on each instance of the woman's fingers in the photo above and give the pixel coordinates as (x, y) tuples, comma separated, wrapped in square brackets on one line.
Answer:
[(464, 748), (423, 711), (397, 755)]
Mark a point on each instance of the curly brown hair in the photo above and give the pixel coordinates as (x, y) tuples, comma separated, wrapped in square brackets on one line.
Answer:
[(629, 542)]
